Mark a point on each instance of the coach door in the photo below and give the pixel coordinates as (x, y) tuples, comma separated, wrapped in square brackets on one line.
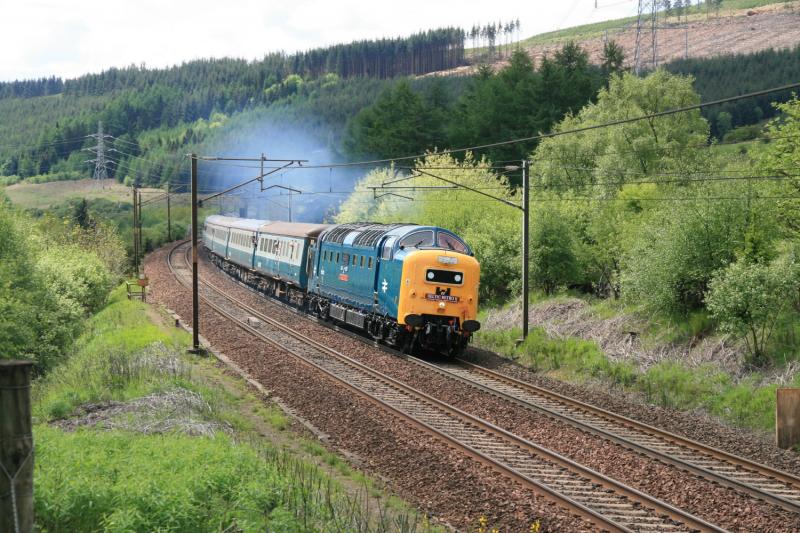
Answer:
[(312, 254)]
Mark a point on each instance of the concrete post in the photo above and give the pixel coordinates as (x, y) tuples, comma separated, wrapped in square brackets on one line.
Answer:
[(16, 447)]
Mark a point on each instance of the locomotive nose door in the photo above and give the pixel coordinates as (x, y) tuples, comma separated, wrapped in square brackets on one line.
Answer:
[(388, 278)]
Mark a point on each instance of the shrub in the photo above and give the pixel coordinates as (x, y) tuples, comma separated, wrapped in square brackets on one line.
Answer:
[(746, 298), (552, 258)]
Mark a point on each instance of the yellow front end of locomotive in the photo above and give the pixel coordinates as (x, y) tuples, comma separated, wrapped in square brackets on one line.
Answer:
[(439, 283)]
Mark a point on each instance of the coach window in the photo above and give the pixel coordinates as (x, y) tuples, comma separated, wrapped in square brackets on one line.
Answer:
[(369, 263), (345, 258), (362, 262), (355, 258)]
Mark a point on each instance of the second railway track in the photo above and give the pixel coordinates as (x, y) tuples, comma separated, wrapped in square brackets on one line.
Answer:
[(607, 503), (726, 469)]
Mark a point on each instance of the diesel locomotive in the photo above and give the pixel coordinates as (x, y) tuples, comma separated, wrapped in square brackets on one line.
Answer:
[(412, 287)]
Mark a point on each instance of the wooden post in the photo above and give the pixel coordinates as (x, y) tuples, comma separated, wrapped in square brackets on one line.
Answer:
[(16, 447), (787, 418)]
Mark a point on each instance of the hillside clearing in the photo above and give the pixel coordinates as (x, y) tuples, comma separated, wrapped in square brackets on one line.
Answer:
[(45, 195)]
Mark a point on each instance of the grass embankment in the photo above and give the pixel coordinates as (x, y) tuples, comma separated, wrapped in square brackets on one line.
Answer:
[(744, 402), (132, 435)]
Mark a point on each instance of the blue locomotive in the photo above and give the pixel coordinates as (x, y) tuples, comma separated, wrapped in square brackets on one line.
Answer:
[(410, 286)]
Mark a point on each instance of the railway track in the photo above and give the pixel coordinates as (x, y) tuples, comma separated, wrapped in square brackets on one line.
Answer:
[(751, 478), (608, 504), (757, 480)]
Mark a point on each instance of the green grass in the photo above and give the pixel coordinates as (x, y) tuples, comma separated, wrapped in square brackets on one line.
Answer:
[(116, 480), (36, 195), (108, 362), (745, 403)]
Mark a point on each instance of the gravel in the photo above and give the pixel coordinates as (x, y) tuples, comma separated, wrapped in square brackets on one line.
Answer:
[(722, 506), (422, 469)]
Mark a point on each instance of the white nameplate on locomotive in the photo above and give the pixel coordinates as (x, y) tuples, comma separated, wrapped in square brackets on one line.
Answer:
[(441, 297)]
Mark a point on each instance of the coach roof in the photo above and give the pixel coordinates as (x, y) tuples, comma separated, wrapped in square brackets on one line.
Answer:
[(247, 224), (293, 229)]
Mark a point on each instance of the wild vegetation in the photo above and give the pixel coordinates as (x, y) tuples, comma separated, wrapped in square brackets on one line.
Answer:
[(156, 415), (55, 273)]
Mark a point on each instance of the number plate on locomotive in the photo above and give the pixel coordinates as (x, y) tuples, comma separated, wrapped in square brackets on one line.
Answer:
[(441, 297)]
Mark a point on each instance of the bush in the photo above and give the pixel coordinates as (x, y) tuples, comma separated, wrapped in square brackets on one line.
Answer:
[(747, 298), (674, 255), (552, 259), (47, 289), (741, 134)]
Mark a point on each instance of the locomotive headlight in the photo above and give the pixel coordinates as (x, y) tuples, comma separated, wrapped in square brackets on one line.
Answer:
[(457, 278), (430, 275), (441, 305)]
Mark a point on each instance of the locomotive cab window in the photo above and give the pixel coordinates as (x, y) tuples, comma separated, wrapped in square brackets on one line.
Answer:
[(387, 248), (450, 242), (448, 277), (417, 239)]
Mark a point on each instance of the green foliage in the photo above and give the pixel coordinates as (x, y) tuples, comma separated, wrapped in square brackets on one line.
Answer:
[(519, 101), (399, 123), (49, 285), (552, 258), (513, 103), (491, 228), (18, 289), (117, 481), (613, 58), (724, 123), (670, 262), (571, 356), (114, 480), (107, 361), (747, 298), (732, 74), (607, 158), (742, 133)]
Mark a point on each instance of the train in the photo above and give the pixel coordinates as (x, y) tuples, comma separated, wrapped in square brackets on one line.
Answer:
[(411, 287)]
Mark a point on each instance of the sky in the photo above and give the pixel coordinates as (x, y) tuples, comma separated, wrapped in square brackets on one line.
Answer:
[(68, 38)]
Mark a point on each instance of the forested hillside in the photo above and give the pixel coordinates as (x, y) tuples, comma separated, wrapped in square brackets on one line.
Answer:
[(725, 75), (353, 100)]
